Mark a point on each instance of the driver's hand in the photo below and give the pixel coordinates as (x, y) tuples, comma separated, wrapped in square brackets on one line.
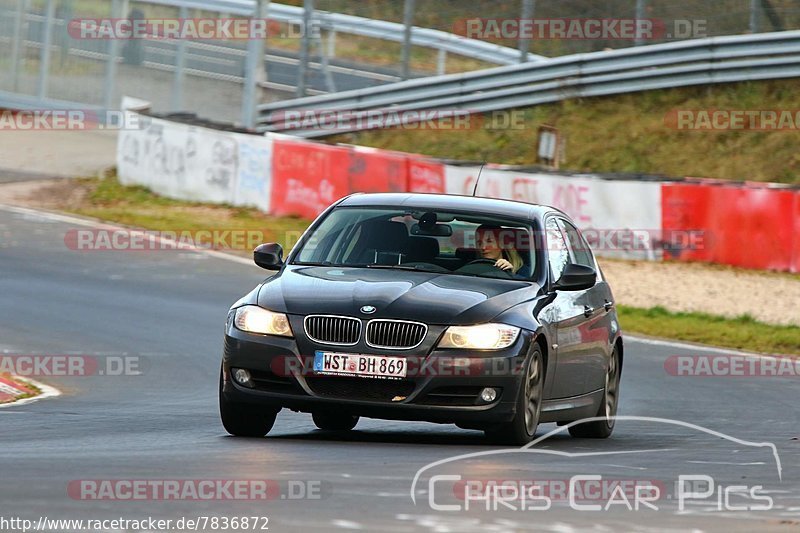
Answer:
[(503, 264)]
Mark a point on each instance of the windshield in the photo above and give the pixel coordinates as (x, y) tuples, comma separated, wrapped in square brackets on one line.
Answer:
[(469, 244)]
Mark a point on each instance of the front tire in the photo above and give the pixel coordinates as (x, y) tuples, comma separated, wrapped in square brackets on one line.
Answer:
[(243, 420), (521, 429), (602, 429), (333, 421)]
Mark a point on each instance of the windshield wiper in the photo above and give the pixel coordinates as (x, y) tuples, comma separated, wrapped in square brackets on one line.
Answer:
[(312, 263), (344, 265), (399, 267)]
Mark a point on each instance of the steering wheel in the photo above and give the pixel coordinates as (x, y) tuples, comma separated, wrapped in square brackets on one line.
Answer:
[(422, 265), (484, 261)]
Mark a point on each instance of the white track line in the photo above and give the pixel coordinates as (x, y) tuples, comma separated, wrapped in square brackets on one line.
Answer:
[(691, 346)]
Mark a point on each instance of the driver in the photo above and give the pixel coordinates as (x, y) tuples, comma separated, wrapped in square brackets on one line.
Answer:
[(494, 245)]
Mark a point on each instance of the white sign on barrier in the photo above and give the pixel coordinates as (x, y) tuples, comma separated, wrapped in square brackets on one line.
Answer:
[(596, 205), (179, 160), (194, 163), (254, 186)]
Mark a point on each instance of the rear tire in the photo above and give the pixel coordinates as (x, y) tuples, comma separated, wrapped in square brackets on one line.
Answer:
[(521, 429), (602, 429), (244, 420), (333, 421)]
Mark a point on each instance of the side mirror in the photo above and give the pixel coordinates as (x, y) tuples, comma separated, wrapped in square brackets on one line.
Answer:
[(576, 278), (269, 256)]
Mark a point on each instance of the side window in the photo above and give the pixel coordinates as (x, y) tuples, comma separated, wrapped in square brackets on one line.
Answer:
[(581, 253), (557, 251)]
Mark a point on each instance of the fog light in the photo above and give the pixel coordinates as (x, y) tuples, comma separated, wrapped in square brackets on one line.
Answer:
[(242, 377), (489, 394)]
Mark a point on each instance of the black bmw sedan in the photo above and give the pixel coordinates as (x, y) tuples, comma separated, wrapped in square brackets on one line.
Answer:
[(488, 314)]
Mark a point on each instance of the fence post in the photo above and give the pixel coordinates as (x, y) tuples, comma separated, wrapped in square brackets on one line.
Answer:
[(308, 8), (254, 65), (176, 102), (331, 42), (111, 65), (323, 59), (441, 62), (44, 64), (754, 16), (525, 42), (640, 7), (16, 44), (408, 23)]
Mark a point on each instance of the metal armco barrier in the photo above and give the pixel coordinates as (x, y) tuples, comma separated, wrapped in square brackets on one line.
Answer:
[(677, 64), (393, 31), (90, 73), (365, 27)]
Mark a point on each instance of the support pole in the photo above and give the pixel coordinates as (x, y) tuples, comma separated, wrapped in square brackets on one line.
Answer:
[(305, 48), (408, 24), (44, 62)]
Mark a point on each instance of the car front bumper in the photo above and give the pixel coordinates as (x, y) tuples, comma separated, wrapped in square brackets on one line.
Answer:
[(442, 385)]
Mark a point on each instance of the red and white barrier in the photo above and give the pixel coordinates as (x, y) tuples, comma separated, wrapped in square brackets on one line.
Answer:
[(10, 390), (307, 177), (743, 225), (795, 266), (751, 227), (425, 175)]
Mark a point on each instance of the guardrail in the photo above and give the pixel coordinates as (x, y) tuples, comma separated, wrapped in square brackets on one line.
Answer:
[(393, 31), (379, 29), (216, 60), (696, 62), (40, 29)]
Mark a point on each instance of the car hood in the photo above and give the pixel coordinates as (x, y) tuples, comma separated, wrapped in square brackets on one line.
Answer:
[(432, 298)]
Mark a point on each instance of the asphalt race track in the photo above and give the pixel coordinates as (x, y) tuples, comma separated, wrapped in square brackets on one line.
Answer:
[(165, 310)]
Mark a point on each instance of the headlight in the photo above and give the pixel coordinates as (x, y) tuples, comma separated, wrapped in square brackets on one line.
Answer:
[(254, 319), (481, 337)]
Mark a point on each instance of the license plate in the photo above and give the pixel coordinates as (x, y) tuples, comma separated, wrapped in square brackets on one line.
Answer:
[(349, 364)]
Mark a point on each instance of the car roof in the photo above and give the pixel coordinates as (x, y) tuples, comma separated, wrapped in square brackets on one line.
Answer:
[(451, 202)]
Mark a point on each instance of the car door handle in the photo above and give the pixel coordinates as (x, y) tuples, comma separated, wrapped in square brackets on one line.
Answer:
[(608, 305), (588, 311)]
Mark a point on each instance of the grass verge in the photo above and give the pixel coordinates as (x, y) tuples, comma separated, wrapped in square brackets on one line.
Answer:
[(626, 133), (138, 207), (743, 333), (108, 200)]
